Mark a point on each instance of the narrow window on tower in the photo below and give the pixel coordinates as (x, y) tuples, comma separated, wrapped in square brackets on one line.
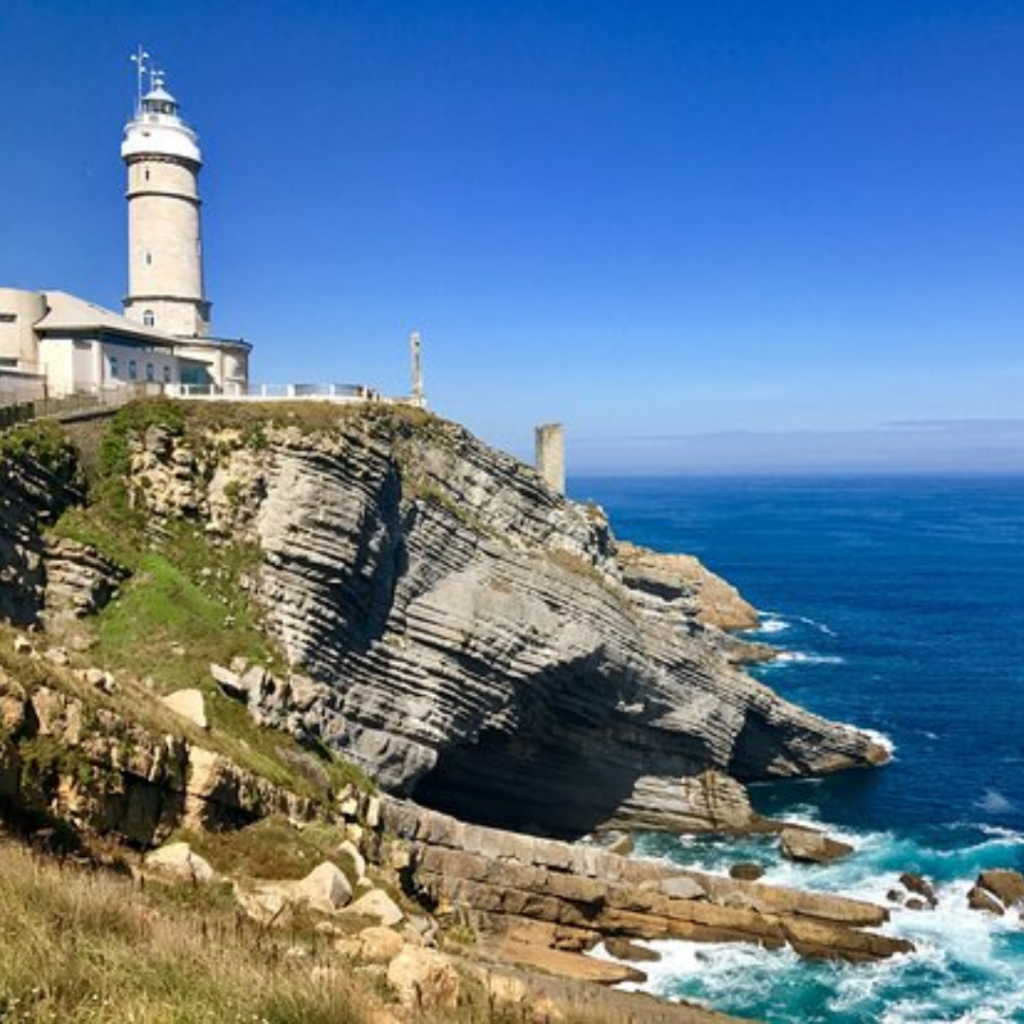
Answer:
[(149, 318), (149, 258), (145, 174)]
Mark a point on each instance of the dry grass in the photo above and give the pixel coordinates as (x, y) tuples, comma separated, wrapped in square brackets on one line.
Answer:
[(79, 946)]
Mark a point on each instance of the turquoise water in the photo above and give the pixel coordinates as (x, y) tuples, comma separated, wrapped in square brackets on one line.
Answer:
[(900, 606)]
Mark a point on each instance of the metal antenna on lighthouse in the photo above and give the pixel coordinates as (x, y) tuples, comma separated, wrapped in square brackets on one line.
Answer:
[(139, 59)]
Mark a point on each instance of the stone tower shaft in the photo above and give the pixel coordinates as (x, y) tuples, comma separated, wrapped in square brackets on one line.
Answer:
[(165, 258)]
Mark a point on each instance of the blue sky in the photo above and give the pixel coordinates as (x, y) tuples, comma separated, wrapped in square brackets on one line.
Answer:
[(665, 222)]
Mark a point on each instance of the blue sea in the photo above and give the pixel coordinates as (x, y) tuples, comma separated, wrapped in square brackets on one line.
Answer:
[(899, 606)]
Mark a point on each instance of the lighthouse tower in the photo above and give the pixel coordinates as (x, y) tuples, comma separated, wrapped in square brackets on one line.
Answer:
[(165, 256)]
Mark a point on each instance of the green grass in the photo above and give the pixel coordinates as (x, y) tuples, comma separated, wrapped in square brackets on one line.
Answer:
[(271, 849), (45, 443), (168, 628)]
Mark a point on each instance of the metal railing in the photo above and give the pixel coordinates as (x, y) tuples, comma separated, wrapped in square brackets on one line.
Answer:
[(84, 402), (277, 392)]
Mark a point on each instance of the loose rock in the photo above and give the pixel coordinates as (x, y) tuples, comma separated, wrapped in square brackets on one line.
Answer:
[(424, 979), (919, 885), (325, 888), (189, 704), (1006, 886), (176, 860), (377, 903), (746, 871), (810, 847), (978, 899)]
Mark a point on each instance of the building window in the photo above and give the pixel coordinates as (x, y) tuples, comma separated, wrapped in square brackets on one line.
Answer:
[(133, 370), (149, 258), (145, 174), (167, 375), (150, 372), (7, 318), (113, 366), (149, 318)]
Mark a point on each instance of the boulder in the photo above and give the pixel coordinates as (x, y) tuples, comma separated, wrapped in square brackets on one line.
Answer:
[(325, 889), (809, 847), (920, 886), (979, 899), (683, 888), (229, 681), (265, 904), (377, 903), (746, 871), (1006, 886), (424, 979), (176, 860), (623, 949), (620, 843), (189, 704), (348, 850), (379, 945)]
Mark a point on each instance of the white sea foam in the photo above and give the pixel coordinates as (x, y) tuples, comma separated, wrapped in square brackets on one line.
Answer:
[(994, 802), (804, 658), (881, 739), (772, 625), (998, 832), (819, 626)]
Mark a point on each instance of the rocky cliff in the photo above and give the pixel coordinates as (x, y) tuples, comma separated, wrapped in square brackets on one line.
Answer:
[(472, 638)]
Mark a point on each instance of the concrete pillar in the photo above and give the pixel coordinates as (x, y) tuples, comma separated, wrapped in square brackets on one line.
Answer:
[(550, 449), (419, 398)]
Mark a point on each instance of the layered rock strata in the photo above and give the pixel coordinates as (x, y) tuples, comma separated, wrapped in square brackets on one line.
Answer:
[(33, 494), (477, 641), (567, 896), (94, 768)]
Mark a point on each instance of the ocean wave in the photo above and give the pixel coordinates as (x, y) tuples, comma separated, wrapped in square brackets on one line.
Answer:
[(804, 658), (998, 832), (814, 624), (884, 741), (771, 623), (777, 622)]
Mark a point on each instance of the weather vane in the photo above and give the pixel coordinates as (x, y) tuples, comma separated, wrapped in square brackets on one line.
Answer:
[(139, 59)]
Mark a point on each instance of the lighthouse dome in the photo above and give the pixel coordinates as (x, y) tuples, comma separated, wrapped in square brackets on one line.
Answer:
[(158, 130)]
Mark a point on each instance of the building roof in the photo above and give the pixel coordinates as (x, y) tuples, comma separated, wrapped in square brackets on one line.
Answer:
[(69, 313)]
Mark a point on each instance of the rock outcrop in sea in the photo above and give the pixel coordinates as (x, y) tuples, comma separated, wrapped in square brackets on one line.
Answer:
[(478, 642)]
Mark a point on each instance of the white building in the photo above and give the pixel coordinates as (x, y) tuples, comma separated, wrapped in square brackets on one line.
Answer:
[(56, 344)]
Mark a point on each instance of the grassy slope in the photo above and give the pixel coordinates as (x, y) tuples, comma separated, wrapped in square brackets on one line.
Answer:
[(183, 607), (94, 947)]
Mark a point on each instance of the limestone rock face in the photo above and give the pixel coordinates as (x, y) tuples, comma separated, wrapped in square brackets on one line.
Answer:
[(570, 896), (33, 494), (79, 580), (682, 578), (471, 638)]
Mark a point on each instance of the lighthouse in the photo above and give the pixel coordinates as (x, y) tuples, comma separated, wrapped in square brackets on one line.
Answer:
[(165, 252)]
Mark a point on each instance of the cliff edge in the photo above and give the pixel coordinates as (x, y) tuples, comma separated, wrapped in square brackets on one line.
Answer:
[(466, 635)]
